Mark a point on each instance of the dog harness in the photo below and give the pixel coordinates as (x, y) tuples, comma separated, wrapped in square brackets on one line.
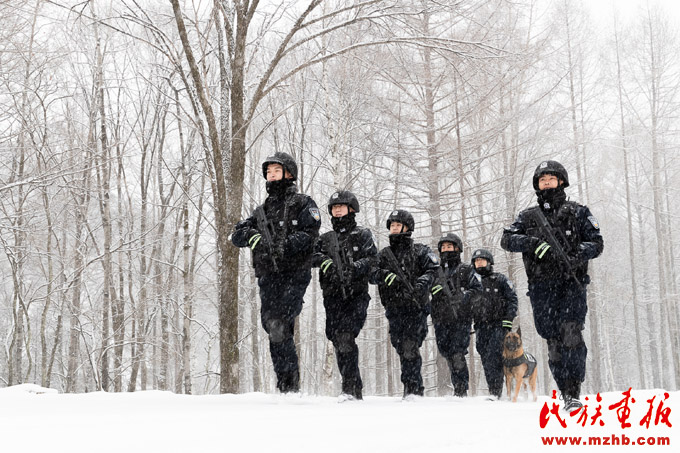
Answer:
[(517, 361)]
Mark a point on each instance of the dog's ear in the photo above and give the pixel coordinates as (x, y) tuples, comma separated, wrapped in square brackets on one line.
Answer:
[(519, 331)]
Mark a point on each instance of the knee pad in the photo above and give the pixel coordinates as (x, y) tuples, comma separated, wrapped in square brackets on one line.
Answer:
[(410, 349), (344, 342), (277, 330), (458, 361), (571, 333), (554, 354)]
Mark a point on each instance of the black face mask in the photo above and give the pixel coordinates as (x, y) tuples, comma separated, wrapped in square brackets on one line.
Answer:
[(484, 271), (550, 199), (344, 223), (278, 188), (400, 239), (450, 258)]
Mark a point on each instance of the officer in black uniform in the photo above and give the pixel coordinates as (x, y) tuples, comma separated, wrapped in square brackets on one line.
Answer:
[(557, 286), (493, 313), (404, 275), (451, 295), (345, 284), (282, 266)]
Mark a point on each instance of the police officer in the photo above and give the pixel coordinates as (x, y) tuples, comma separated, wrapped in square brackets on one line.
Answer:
[(451, 316), (281, 234), (345, 257), (557, 281), (404, 275), (493, 313)]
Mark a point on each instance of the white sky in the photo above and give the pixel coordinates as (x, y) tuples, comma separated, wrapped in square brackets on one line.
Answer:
[(602, 9)]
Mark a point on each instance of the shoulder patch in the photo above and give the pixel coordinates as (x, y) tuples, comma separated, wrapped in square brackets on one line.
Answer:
[(433, 257), (510, 285), (594, 222), (315, 213)]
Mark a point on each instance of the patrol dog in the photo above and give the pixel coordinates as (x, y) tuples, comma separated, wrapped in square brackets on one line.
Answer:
[(518, 365)]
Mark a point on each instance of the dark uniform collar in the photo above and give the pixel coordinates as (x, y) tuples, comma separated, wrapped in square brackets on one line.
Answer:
[(399, 243), (281, 189), (550, 200), (345, 224)]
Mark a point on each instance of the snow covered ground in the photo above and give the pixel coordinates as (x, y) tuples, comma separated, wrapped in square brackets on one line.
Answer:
[(33, 419)]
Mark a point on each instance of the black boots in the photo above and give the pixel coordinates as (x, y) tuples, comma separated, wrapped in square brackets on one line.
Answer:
[(352, 389), (460, 391), (412, 389), (289, 382), (570, 395), (496, 392)]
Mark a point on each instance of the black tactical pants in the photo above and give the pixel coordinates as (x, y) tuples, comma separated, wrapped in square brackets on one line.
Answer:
[(344, 321), (560, 309), (453, 340), (490, 348), (282, 297), (407, 333)]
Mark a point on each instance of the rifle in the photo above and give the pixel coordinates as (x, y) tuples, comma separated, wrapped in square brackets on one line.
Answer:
[(266, 229), (339, 259), (448, 294), (549, 237), (392, 260), (446, 287)]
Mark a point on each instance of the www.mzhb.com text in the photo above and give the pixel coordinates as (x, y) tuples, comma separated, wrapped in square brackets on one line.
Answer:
[(606, 440)]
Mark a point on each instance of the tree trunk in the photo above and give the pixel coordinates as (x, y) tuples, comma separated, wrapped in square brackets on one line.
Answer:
[(670, 327), (258, 385), (103, 179), (227, 200), (629, 218), (17, 256), (160, 289), (187, 274), (139, 333), (118, 305), (434, 202), (78, 264)]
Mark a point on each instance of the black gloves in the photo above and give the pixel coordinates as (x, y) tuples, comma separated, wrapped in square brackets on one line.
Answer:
[(258, 244), (420, 290)]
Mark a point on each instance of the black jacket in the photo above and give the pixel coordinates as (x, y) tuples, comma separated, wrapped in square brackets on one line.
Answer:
[(463, 285), (419, 264), (296, 220), (360, 256), (496, 303), (575, 228)]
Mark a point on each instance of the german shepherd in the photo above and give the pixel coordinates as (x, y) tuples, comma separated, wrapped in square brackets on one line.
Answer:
[(518, 365)]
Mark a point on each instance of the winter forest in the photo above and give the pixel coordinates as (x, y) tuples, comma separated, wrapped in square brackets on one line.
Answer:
[(131, 139)]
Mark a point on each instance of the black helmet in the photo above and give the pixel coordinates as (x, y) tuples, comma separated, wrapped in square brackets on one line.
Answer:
[(482, 253), (403, 217), (343, 197), (283, 159), (452, 238), (551, 167)]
